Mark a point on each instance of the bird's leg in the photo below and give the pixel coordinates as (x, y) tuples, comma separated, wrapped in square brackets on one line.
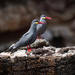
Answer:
[(29, 49), (40, 37), (29, 46), (37, 37)]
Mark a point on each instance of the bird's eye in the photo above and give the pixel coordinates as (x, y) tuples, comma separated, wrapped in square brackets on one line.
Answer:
[(36, 22), (44, 17)]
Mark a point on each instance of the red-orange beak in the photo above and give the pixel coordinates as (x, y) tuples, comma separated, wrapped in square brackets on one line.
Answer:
[(48, 18), (41, 22)]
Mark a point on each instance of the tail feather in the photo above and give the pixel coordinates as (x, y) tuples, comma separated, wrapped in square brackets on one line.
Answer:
[(10, 48)]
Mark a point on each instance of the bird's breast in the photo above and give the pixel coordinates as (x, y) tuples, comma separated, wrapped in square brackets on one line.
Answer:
[(41, 29)]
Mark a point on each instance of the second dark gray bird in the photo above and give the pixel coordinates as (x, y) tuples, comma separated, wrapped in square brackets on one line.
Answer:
[(42, 27), (28, 38)]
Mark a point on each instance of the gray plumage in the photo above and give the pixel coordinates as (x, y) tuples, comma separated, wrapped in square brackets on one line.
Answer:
[(41, 28), (28, 38)]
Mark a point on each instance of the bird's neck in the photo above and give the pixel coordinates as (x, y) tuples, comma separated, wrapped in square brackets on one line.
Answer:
[(33, 28), (43, 20)]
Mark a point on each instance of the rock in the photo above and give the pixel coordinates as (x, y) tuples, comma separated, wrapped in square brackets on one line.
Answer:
[(47, 60), (38, 43)]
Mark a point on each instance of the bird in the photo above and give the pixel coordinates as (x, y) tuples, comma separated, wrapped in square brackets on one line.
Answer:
[(42, 27), (28, 38)]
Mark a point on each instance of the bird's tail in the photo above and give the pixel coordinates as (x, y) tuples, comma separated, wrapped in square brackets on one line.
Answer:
[(10, 48)]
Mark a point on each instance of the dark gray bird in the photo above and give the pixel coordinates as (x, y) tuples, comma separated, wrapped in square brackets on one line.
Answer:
[(28, 38), (42, 27)]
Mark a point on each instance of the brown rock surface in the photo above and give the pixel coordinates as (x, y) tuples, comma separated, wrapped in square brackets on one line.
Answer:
[(47, 61)]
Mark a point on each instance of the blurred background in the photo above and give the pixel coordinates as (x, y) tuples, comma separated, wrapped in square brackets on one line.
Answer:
[(16, 17)]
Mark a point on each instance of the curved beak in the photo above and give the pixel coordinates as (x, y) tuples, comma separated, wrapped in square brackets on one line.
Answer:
[(41, 22), (48, 18)]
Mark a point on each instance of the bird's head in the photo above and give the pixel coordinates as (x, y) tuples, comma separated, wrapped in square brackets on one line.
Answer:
[(37, 21), (45, 17)]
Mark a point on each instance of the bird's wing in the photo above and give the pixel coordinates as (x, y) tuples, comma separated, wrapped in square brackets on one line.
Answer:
[(25, 34), (25, 40)]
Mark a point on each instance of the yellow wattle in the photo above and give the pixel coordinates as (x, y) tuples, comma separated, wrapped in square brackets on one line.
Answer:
[(44, 17), (36, 22)]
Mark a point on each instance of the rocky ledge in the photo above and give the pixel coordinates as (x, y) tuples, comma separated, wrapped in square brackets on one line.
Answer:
[(46, 60)]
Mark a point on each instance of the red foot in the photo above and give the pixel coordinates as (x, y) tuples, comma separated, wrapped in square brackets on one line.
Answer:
[(29, 49)]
